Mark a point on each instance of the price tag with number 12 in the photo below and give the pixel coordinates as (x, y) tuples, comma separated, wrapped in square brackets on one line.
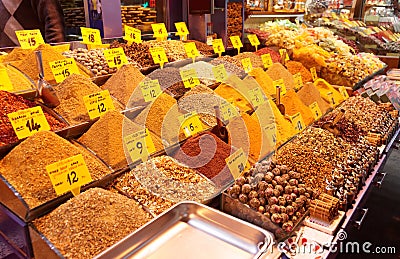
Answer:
[(98, 103)]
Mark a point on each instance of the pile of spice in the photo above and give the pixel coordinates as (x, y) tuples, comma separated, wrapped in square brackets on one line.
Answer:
[(229, 59), (202, 100), (230, 67), (25, 166), (264, 81), (177, 90), (123, 83), (203, 70), (207, 153), (276, 58), (328, 92), (166, 77), (175, 49), (129, 186), (165, 177), (139, 53), (293, 105), (11, 103), (256, 60), (309, 94), (91, 222), (71, 93), (18, 80), (278, 71), (17, 54), (284, 129), (105, 138), (203, 48), (295, 67)]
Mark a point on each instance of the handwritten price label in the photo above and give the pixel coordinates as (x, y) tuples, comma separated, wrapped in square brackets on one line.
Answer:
[(159, 56), (281, 84), (191, 50), (132, 34), (267, 60), (218, 46), (181, 29), (29, 39), (91, 36), (283, 53), (297, 122), (298, 81), (253, 40), (256, 97), (270, 131), (115, 57), (160, 31), (220, 73), (316, 110), (236, 42), (150, 90), (237, 163), (344, 92), (28, 122), (314, 74), (247, 66), (5, 82), (228, 110), (332, 99), (69, 175), (190, 78), (190, 124), (62, 69), (139, 145), (98, 103)]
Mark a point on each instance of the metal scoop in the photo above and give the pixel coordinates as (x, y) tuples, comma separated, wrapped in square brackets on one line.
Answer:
[(220, 130), (280, 106), (44, 90)]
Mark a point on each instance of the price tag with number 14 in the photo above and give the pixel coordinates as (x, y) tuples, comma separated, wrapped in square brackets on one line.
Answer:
[(28, 122)]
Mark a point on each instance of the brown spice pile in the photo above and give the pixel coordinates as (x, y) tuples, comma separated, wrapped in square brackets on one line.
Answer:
[(138, 52), (264, 81), (17, 54), (295, 67), (91, 222), (229, 59), (278, 71), (293, 105), (11, 103), (25, 166), (174, 49), (123, 83), (256, 60), (105, 138), (203, 48), (309, 94)]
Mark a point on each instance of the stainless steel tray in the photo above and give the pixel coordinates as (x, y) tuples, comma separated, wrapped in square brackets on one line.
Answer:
[(192, 230)]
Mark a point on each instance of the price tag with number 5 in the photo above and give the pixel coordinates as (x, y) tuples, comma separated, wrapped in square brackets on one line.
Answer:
[(91, 36), (98, 103), (139, 145), (28, 122), (61, 69), (190, 124), (69, 175)]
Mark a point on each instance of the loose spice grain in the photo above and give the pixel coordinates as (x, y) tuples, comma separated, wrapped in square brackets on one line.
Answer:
[(203, 70), (295, 67), (91, 222), (293, 105), (265, 82), (175, 49), (256, 60), (309, 94), (166, 77), (25, 166), (18, 80), (17, 54), (230, 67), (284, 129), (11, 103), (278, 71), (139, 53), (203, 48), (276, 58)]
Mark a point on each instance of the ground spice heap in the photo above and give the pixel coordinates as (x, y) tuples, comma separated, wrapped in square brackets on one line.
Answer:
[(165, 177), (166, 77), (207, 153), (71, 93), (25, 166), (277, 71), (91, 222), (17, 54), (124, 82), (18, 80), (256, 60), (284, 129), (11, 103), (309, 94), (295, 67), (326, 89), (105, 138), (276, 58), (203, 70), (293, 105), (264, 81), (230, 66)]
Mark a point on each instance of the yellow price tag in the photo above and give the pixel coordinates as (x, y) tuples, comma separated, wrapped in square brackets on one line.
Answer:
[(190, 78), (181, 29), (298, 81), (220, 73), (115, 57), (159, 56), (98, 103), (5, 82), (29, 39), (132, 34), (332, 100), (247, 66), (160, 31), (91, 36), (218, 46), (62, 69), (297, 122), (315, 110), (236, 42), (191, 50), (139, 145), (69, 175), (28, 122), (283, 52), (267, 60), (314, 73), (237, 163), (150, 90), (190, 124), (344, 92), (270, 130), (253, 40), (256, 97), (228, 110), (281, 84)]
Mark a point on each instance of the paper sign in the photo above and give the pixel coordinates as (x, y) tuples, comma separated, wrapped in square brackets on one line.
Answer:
[(297, 122), (69, 175), (284, 52), (181, 29), (236, 42), (315, 110), (62, 69), (331, 99), (159, 56), (237, 163), (218, 46), (270, 130), (139, 145), (29, 39), (150, 90), (253, 40), (256, 97), (160, 31), (98, 103), (267, 60), (247, 66), (314, 74), (220, 73), (190, 78), (28, 122), (281, 84), (298, 81), (91, 36), (190, 124), (191, 50), (115, 57), (5, 82), (132, 34), (344, 92), (228, 110)]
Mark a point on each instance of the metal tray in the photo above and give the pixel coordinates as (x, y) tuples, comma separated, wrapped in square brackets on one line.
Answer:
[(186, 230)]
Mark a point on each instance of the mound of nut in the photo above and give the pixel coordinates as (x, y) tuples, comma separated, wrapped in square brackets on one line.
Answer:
[(274, 191)]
